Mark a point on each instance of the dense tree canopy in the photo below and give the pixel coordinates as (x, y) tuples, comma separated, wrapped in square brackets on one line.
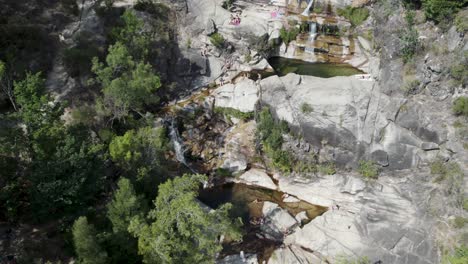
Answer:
[(127, 85), (58, 166), (86, 245), (181, 229)]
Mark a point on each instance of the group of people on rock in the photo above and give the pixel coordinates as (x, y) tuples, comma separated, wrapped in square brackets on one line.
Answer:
[(235, 19)]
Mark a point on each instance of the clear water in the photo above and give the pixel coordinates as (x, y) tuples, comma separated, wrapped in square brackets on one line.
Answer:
[(284, 66)]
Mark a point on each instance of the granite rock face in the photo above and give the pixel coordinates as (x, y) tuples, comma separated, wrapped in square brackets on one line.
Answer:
[(277, 221), (356, 121), (241, 96), (383, 220)]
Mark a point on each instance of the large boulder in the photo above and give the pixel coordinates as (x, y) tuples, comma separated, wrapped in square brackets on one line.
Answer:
[(257, 177), (239, 147), (241, 96), (277, 221)]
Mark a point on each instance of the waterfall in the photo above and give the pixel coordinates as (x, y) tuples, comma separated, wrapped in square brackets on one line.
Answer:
[(313, 28), (307, 10), (312, 34), (179, 148)]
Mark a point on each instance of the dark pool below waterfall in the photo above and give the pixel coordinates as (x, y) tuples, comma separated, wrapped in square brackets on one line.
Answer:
[(284, 66), (247, 202)]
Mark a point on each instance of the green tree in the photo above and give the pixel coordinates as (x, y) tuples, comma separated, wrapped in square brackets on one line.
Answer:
[(87, 248), (441, 10), (6, 83), (181, 229), (126, 85), (59, 167), (133, 35), (409, 38), (125, 205), (140, 153), (69, 175)]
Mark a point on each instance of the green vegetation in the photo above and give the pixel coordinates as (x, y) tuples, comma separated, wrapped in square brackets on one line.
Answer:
[(409, 38), (465, 204), (61, 166), (442, 10), (140, 154), (411, 86), (451, 175), (461, 21), (125, 206), (217, 40), (460, 106), (180, 230), (459, 70), (459, 221), (327, 168), (288, 35), (306, 108), (355, 15), (270, 133), (127, 85), (86, 246), (231, 112), (349, 260), (459, 256), (227, 4), (368, 169)]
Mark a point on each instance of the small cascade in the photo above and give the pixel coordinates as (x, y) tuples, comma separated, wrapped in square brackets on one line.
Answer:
[(312, 35), (307, 10), (179, 148)]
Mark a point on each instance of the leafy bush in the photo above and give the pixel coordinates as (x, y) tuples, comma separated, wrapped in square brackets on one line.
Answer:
[(452, 175), (306, 108), (348, 260), (327, 168), (460, 106), (227, 4), (409, 38), (442, 10), (411, 86), (368, 169), (461, 21), (234, 113), (289, 35), (271, 133), (459, 222), (355, 15), (465, 204), (217, 40), (460, 256), (459, 70)]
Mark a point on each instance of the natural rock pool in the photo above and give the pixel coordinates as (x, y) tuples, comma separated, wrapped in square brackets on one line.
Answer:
[(248, 202), (284, 66)]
